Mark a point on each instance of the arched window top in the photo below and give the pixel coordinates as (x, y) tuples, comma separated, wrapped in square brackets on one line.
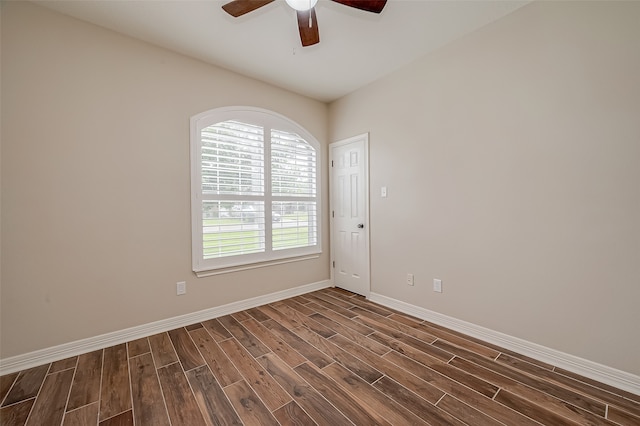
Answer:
[(255, 115)]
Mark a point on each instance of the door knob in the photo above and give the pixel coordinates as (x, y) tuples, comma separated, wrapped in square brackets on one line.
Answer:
[(361, 225)]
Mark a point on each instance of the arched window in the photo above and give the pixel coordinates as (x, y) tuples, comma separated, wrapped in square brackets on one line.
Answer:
[(255, 181)]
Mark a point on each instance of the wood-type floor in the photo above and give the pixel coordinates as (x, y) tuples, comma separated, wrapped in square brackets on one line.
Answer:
[(328, 358)]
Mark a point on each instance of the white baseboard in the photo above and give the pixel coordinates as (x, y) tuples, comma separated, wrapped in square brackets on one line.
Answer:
[(66, 350), (602, 373)]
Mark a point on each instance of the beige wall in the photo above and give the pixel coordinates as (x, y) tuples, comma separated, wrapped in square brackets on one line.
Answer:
[(95, 181), (512, 161)]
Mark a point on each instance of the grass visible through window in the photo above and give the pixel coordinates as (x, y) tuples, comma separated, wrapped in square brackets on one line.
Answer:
[(290, 237), (244, 241)]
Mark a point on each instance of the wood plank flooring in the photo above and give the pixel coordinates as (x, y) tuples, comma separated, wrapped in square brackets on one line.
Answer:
[(326, 358)]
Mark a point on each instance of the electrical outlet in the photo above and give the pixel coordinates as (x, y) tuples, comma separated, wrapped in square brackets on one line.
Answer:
[(181, 288), (437, 285), (409, 279)]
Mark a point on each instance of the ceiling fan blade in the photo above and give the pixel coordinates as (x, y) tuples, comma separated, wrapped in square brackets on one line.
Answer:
[(308, 26), (374, 6), (240, 7)]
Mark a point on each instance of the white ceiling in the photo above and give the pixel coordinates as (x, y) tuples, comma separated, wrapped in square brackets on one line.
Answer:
[(355, 48)]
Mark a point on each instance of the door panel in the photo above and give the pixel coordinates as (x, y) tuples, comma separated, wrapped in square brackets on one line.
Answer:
[(349, 205)]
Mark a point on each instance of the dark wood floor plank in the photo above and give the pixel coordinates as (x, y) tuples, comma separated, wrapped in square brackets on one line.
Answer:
[(146, 395), (599, 385), (83, 416), (411, 346), (512, 353), (242, 335), (223, 369), (6, 382), (292, 415), (26, 385), (323, 304), (518, 364), (451, 338), (425, 348), (327, 297), (241, 316), (493, 409), (277, 345), (115, 390), (393, 328), (16, 414), (300, 299), (586, 389), (622, 417), (277, 316), (217, 330), (293, 340), (341, 319), (442, 382), (298, 307), (320, 305), (465, 412), (487, 344), (463, 393), (460, 376), (181, 403), (186, 350), (354, 409), (262, 383), (537, 397), (301, 320), (247, 404), (418, 406), (532, 410), (63, 364), (162, 350), (363, 303), (392, 411), (560, 392), (138, 347), (406, 319), (320, 410), (383, 329), (86, 383), (195, 326), (122, 419), (340, 292), (351, 334), (257, 314), (48, 410), (213, 402), (355, 365), (425, 390)]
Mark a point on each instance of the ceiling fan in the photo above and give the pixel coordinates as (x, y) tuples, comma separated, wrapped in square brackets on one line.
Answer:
[(305, 9)]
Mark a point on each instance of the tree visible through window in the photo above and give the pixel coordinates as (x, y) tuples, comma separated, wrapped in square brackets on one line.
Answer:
[(255, 189)]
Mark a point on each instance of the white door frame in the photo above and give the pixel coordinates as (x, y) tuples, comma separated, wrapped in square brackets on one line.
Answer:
[(367, 233)]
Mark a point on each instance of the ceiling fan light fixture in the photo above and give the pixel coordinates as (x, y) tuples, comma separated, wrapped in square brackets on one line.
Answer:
[(302, 5)]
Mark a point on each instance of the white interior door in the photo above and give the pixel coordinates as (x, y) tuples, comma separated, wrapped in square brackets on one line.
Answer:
[(349, 161)]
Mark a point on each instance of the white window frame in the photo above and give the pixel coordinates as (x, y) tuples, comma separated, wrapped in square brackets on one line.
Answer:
[(269, 120)]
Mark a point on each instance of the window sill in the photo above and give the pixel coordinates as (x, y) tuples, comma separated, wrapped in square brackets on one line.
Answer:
[(220, 271)]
